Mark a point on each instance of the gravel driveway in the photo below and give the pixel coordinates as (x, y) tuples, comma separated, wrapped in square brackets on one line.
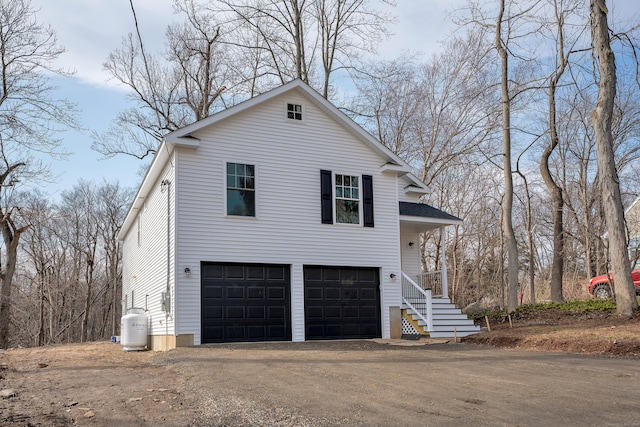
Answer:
[(354, 383)]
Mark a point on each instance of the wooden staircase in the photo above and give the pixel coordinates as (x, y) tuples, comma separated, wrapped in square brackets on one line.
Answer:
[(447, 319)]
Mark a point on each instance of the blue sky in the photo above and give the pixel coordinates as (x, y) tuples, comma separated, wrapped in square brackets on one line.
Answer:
[(91, 29)]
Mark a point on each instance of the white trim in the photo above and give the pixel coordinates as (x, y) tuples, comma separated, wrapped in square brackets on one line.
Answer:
[(303, 112), (429, 220), (255, 189), (335, 197)]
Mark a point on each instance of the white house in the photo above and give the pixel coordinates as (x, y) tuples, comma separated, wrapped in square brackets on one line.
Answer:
[(281, 219)]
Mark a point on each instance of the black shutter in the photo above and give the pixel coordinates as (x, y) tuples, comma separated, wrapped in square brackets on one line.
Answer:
[(367, 199), (326, 197)]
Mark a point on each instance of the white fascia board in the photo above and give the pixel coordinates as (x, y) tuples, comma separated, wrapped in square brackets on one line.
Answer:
[(394, 168), (428, 220), (176, 136), (151, 177)]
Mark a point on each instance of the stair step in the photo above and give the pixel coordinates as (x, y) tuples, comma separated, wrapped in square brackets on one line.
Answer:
[(451, 319), (458, 334), (438, 326)]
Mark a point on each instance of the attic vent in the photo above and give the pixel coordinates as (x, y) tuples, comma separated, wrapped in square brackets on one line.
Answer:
[(294, 111)]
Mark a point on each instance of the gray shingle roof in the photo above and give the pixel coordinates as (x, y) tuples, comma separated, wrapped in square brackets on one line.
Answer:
[(424, 210)]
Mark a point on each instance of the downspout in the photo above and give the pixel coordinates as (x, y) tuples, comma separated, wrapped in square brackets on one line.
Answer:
[(166, 185)]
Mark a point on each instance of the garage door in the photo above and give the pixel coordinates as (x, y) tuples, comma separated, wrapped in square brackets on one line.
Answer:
[(245, 302), (341, 302)]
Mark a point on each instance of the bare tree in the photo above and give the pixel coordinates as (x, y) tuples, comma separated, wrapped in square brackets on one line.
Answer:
[(507, 206), (307, 39), (561, 11), (170, 93), (602, 117), (30, 119)]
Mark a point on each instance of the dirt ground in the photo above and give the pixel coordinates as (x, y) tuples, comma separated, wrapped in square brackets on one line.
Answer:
[(557, 330), (355, 383)]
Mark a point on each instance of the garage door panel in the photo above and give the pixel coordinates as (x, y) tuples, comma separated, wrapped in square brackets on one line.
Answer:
[(234, 272), (314, 312), (213, 292), (277, 332), (255, 292), (277, 313), (234, 312), (210, 271), (313, 293), (333, 312), (280, 273), (368, 276), (276, 293), (245, 302), (255, 273), (213, 312), (234, 292), (341, 302), (256, 331), (332, 294), (258, 312)]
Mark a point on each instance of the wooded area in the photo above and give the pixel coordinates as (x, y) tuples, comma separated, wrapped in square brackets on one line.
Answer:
[(502, 124)]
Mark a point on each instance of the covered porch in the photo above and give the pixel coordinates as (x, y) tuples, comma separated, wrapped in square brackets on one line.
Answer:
[(426, 307)]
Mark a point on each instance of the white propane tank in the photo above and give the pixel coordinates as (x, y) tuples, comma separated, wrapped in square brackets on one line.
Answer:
[(134, 328)]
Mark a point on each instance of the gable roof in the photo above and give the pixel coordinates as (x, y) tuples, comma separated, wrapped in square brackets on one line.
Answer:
[(184, 137)]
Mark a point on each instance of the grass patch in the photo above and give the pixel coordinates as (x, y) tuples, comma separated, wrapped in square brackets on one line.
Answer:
[(571, 307)]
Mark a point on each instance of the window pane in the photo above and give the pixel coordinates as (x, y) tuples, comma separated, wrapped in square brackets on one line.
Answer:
[(338, 179), (231, 168), (249, 183), (249, 170), (339, 192), (347, 212), (355, 193), (241, 203)]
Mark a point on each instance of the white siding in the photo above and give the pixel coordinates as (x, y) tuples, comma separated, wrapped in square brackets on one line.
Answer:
[(288, 156), (410, 254), (145, 265)]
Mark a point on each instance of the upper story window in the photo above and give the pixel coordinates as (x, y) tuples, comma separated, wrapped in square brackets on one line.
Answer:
[(347, 199), (294, 111), (241, 189)]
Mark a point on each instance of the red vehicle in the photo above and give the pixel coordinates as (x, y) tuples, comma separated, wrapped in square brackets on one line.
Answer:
[(600, 286)]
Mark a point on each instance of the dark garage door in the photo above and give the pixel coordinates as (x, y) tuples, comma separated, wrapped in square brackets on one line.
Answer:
[(245, 302), (341, 302)]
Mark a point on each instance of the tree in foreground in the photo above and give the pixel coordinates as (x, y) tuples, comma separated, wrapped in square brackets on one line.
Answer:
[(30, 119), (602, 118)]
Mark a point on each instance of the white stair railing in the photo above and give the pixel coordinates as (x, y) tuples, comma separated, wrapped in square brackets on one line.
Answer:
[(413, 293)]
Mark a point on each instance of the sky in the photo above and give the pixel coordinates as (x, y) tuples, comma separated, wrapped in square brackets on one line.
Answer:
[(91, 29)]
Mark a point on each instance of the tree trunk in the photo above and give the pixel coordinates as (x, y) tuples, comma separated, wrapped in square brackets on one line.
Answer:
[(11, 238), (557, 264), (507, 206), (602, 115)]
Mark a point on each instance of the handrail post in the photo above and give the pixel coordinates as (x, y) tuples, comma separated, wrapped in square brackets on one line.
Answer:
[(429, 316), (443, 260)]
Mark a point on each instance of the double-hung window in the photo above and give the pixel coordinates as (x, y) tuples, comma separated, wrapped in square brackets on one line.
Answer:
[(347, 199), (241, 189)]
